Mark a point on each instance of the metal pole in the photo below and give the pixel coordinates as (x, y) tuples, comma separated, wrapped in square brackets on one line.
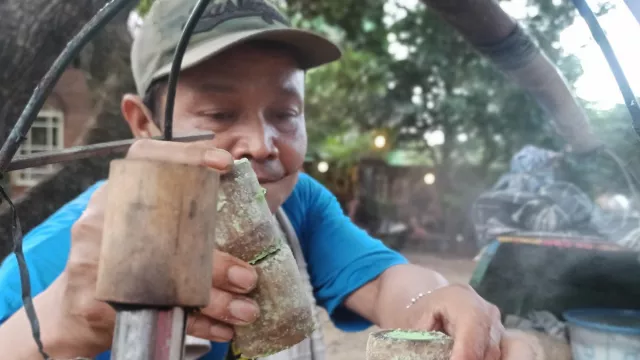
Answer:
[(149, 334), (607, 50), (87, 151), (634, 7)]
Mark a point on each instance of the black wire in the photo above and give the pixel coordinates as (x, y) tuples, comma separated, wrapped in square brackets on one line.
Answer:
[(600, 37), (22, 127), (195, 15), (25, 282), (42, 91)]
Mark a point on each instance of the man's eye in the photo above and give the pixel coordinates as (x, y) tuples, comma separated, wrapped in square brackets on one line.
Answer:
[(285, 116), (222, 116)]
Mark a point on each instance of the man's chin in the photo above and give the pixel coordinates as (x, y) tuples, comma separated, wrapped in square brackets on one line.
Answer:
[(279, 191)]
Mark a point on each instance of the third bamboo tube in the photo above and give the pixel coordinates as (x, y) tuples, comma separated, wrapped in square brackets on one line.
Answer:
[(408, 345)]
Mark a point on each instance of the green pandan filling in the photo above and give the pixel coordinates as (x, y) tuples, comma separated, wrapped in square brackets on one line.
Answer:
[(261, 195), (415, 335), (266, 253)]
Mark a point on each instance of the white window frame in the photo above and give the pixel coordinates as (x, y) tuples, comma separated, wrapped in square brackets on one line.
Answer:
[(32, 176)]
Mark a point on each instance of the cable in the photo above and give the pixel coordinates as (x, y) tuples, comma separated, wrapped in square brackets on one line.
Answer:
[(39, 96), (627, 93), (25, 282), (600, 37), (44, 88), (177, 63), (22, 127)]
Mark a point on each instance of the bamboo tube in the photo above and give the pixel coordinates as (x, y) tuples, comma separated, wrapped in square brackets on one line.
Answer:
[(247, 230), (158, 235), (245, 224), (408, 345)]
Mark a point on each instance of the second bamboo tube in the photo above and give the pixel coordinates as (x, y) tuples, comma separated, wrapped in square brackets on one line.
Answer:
[(247, 230)]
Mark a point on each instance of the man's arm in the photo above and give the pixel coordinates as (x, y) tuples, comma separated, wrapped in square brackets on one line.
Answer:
[(384, 300), (350, 270), (342, 258), (16, 338), (46, 250)]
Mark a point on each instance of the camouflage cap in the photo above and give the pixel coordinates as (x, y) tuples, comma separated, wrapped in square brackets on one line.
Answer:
[(224, 23)]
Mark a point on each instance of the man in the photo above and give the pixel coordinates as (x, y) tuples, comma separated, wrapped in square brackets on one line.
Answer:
[(242, 78)]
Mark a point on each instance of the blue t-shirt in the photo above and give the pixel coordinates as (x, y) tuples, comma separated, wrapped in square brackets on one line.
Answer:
[(341, 257)]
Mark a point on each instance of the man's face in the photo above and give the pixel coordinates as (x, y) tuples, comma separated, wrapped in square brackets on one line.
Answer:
[(252, 98)]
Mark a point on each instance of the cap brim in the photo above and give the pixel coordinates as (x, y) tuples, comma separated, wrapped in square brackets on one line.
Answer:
[(313, 50)]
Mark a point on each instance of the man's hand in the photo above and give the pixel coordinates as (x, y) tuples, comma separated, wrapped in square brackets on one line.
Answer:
[(459, 312), (232, 280), (456, 310), (520, 345), (94, 321), (475, 326), (75, 324)]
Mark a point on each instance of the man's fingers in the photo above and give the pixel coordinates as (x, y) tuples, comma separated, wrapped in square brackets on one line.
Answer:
[(476, 331), (232, 274), (518, 345), (231, 308), (202, 327), (497, 332), (470, 340), (195, 153), (493, 352)]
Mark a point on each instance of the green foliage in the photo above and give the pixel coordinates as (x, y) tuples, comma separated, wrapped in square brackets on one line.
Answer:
[(441, 85), (343, 149), (335, 101)]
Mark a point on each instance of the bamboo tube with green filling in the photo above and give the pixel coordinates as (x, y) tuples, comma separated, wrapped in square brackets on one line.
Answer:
[(248, 230), (408, 345)]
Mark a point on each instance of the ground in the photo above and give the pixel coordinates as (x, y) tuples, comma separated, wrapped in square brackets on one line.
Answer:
[(351, 346)]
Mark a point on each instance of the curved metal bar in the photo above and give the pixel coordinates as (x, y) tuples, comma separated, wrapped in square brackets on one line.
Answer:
[(87, 151), (634, 7), (22, 127), (195, 15), (44, 88), (600, 37)]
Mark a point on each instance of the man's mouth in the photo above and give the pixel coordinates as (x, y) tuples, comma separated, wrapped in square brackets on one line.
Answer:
[(268, 173), (270, 178), (268, 181)]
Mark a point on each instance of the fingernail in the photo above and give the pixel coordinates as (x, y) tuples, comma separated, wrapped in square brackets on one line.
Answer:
[(212, 156), (243, 310), (242, 277)]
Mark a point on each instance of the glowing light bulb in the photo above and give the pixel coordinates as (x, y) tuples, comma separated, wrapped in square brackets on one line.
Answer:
[(323, 167), (380, 141), (429, 179)]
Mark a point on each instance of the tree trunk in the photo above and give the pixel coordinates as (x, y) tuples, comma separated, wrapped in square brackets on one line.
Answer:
[(33, 33)]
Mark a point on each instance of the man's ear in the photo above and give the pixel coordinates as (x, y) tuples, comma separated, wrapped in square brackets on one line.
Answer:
[(139, 117)]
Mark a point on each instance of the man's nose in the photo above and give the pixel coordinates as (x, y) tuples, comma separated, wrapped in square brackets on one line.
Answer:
[(258, 142)]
